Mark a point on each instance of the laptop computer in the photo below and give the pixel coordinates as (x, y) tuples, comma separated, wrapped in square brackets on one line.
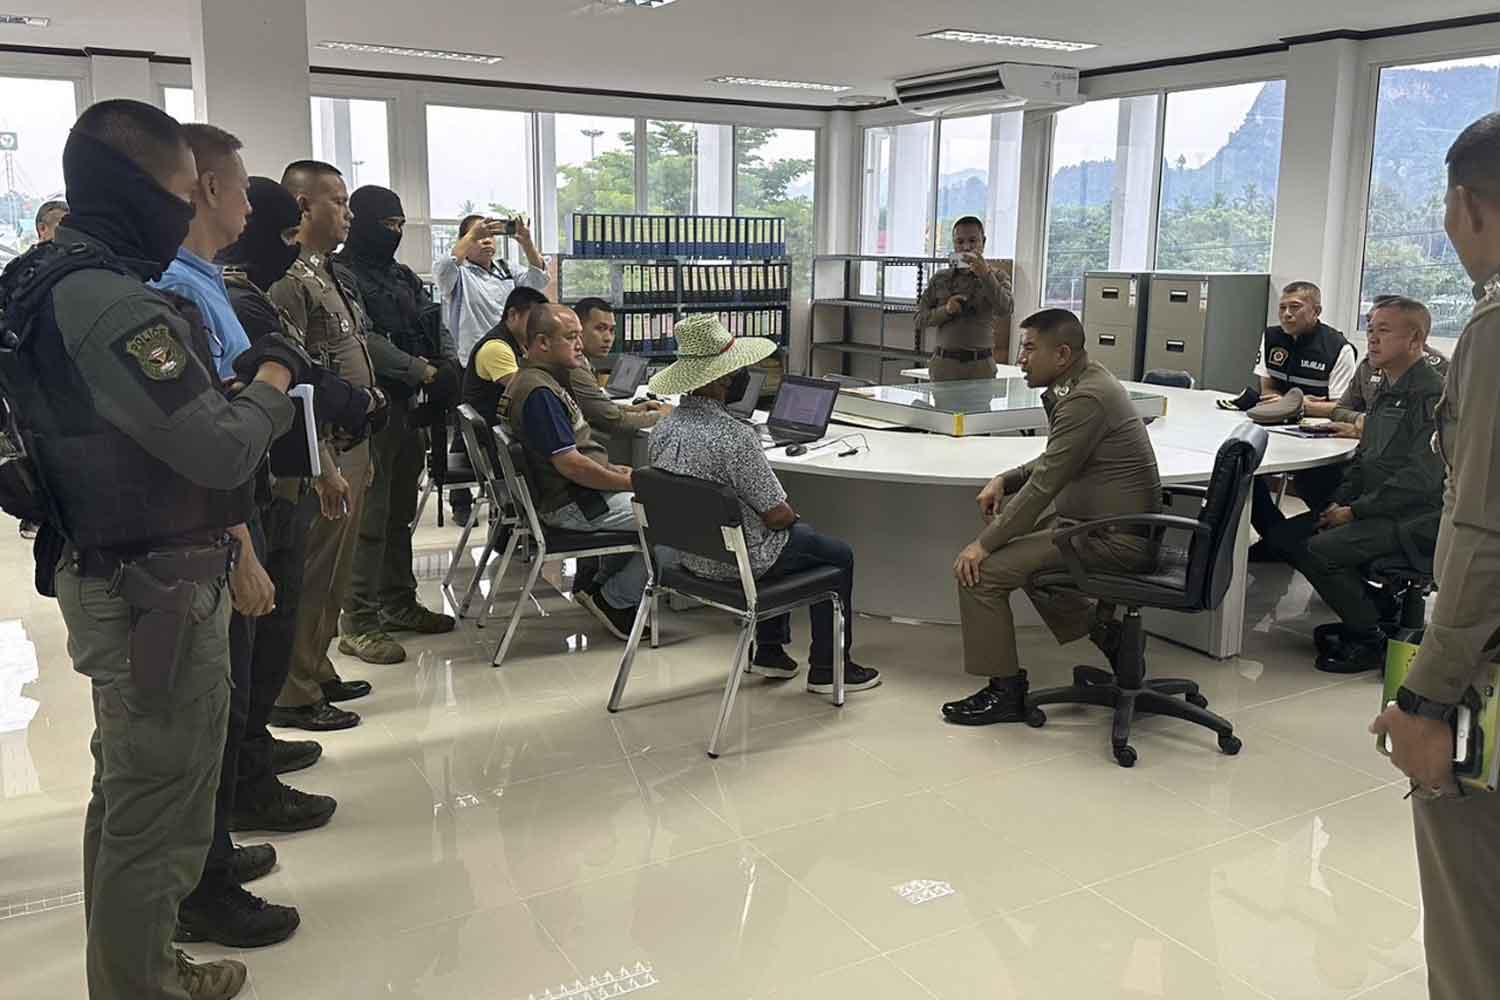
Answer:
[(744, 407), (802, 410), (626, 376)]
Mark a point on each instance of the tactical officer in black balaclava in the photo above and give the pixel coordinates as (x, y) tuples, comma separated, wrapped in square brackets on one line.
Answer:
[(413, 355), (144, 462)]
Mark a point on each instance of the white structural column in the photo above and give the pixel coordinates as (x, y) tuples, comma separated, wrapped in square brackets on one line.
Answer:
[(113, 76), (1134, 203), (250, 77), (715, 169), (1031, 217), (1312, 241), (839, 185)]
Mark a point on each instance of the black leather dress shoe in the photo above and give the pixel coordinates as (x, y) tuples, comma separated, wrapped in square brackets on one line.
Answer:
[(1355, 655), (253, 861), (339, 689), (1003, 699), (293, 755), (319, 717)]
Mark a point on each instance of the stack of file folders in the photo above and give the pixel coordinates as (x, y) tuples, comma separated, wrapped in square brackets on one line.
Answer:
[(646, 237), (646, 285), (650, 333)]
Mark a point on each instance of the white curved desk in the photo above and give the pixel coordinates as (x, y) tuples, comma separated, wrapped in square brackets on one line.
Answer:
[(906, 504)]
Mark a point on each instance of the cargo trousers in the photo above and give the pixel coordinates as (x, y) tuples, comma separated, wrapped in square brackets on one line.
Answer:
[(382, 574), (156, 769)]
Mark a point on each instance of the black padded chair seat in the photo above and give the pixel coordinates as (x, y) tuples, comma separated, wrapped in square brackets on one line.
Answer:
[(1164, 587), (559, 540), (773, 594), (1399, 570), (460, 472)]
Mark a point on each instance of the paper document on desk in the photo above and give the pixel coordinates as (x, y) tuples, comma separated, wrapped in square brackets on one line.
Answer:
[(1479, 770)]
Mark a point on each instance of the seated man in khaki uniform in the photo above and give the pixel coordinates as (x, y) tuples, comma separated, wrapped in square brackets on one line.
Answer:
[(1098, 463)]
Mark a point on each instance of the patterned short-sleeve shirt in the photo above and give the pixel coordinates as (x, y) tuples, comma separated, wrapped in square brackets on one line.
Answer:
[(702, 439)]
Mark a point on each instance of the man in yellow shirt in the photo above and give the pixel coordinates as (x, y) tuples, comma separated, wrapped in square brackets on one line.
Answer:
[(491, 364)]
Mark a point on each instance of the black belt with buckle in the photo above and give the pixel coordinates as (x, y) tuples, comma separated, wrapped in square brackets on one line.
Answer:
[(200, 564), (982, 354)]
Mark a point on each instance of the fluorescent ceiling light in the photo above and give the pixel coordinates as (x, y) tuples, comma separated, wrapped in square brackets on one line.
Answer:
[(648, 4), (750, 81), (1012, 41), (25, 20), (401, 50)]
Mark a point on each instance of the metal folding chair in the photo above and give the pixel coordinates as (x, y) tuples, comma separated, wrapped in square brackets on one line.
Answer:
[(491, 493), (703, 518), (550, 544)]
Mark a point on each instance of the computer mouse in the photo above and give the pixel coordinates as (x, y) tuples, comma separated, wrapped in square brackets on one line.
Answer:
[(793, 450)]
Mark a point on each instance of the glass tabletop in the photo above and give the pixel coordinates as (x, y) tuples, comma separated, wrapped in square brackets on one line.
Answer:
[(987, 395)]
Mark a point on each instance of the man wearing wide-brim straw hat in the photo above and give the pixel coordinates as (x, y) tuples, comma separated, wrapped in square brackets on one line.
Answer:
[(702, 439)]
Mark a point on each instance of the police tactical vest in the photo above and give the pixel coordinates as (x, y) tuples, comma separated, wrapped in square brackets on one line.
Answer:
[(107, 491), (1304, 362)]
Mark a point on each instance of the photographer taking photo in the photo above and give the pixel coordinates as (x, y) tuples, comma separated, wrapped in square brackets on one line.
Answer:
[(475, 282)]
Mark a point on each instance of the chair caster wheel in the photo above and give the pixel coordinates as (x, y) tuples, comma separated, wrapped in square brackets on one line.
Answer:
[(1036, 718), (1197, 700), (1125, 755), (1230, 744)]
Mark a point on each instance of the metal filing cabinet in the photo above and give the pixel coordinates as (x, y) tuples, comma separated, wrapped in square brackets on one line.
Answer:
[(1209, 325), (1114, 315)]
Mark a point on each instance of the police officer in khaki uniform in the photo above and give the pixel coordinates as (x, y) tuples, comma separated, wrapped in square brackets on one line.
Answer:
[(110, 376), (962, 303), (1098, 463), (324, 310), (1458, 837)]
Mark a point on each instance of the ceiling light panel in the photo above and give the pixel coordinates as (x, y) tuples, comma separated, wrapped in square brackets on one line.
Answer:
[(648, 4), (1010, 41), (401, 50), (752, 81), (25, 20)]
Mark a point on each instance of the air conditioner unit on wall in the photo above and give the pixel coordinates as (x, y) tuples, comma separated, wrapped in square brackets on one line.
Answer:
[(996, 87)]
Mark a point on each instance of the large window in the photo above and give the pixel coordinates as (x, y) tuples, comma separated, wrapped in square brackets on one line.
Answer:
[(478, 160), (774, 175), (1221, 157), (353, 136), (178, 102), (593, 166), (979, 174), (1099, 199), (896, 218), (1420, 110), (689, 168), (35, 116)]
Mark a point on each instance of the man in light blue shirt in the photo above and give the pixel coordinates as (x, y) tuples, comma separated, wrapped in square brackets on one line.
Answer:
[(220, 208), (474, 284)]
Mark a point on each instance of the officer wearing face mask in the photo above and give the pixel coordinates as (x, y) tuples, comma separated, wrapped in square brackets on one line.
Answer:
[(141, 463), (417, 366)]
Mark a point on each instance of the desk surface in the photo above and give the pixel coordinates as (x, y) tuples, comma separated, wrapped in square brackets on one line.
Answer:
[(1186, 440)]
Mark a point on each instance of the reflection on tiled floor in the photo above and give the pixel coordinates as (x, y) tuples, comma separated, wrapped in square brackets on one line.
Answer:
[(501, 836)]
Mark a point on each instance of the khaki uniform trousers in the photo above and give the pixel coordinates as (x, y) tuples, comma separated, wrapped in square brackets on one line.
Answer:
[(989, 627), (942, 369), (325, 583), (156, 771), (382, 575), (1458, 854)]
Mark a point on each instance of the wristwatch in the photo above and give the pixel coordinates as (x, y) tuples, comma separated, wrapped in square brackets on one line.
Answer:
[(1424, 708)]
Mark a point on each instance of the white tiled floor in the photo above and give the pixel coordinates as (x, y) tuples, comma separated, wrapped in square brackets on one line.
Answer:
[(500, 835)]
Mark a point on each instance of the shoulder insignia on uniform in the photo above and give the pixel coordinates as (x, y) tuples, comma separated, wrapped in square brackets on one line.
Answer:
[(1063, 390), (161, 356)]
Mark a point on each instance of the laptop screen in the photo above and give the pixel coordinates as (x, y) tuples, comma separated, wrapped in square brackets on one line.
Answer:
[(804, 403), (745, 405), (626, 375)]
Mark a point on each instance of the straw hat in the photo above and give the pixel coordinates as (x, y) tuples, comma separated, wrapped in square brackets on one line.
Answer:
[(707, 352)]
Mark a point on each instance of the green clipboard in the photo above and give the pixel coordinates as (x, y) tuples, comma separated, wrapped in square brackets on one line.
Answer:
[(1480, 771)]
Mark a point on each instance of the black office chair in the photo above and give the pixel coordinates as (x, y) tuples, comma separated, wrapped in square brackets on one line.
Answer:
[(1192, 575), (702, 518), (1409, 585), (1169, 377), (550, 544)]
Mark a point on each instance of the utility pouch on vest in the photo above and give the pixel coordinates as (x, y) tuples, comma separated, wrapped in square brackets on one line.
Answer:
[(160, 614)]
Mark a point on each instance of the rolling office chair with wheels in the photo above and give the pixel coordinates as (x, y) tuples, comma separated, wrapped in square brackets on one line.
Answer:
[(703, 518), (1191, 576)]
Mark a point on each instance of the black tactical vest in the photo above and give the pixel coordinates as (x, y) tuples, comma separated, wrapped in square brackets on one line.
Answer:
[(481, 393), (108, 491), (1304, 362)]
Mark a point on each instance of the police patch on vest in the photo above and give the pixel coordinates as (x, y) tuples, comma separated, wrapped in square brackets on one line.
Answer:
[(161, 356), (1279, 355)]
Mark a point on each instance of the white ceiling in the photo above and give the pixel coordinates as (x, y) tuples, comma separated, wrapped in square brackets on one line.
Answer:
[(674, 50)]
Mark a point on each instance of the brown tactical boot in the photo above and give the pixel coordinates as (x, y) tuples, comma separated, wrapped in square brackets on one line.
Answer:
[(220, 980)]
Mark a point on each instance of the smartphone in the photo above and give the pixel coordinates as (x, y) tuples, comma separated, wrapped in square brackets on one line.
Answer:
[(959, 261), (507, 227), (1463, 735)]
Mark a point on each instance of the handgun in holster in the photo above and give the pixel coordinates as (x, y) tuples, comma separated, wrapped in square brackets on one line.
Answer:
[(161, 615)]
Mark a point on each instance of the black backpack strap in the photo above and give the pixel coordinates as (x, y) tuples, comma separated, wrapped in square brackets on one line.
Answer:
[(29, 279)]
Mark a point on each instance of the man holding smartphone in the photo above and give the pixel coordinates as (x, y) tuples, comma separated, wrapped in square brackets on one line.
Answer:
[(474, 281), (1458, 836), (963, 302)]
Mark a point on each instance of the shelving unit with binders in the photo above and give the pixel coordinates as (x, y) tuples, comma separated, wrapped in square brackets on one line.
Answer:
[(661, 268)]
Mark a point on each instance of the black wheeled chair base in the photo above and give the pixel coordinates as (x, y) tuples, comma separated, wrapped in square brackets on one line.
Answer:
[(1093, 686)]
